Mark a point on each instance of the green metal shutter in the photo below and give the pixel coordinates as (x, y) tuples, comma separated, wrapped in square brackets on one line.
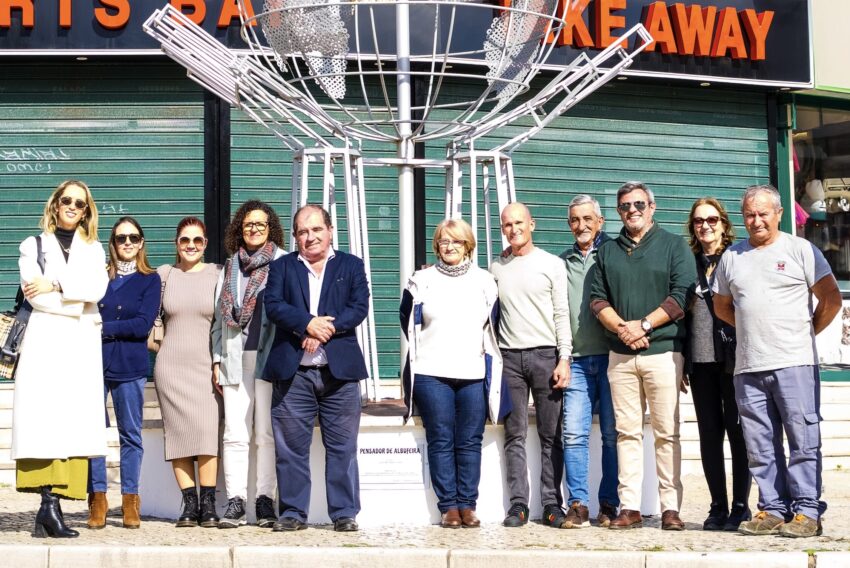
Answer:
[(683, 142), (261, 168), (132, 131)]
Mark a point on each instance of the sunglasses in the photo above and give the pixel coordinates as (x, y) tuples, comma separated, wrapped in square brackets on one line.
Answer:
[(134, 238), (712, 221), (626, 206), (199, 242), (67, 201), (260, 227)]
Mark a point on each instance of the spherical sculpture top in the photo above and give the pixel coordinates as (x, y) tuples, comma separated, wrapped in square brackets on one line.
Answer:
[(346, 58)]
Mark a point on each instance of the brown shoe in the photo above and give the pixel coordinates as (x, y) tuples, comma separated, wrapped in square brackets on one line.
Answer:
[(97, 510), (578, 517), (130, 506), (470, 519), (607, 513), (451, 519), (670, 521), (801, 526), (627, 519)]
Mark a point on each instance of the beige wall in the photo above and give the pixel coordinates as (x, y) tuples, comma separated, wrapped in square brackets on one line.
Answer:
[(831, 26)]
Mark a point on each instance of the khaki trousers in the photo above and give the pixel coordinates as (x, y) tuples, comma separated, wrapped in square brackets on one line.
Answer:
[(638, 380)]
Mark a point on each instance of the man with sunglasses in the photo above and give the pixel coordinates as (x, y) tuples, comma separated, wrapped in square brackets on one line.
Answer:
[(765, 287), (639, 295)]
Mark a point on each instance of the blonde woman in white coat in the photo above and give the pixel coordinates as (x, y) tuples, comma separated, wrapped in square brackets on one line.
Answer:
[(58, 409), (241, 337)]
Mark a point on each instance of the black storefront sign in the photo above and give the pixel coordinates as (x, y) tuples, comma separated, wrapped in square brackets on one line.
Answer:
[(748, 41)]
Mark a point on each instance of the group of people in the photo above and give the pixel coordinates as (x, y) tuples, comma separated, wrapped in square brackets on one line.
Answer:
[(267, 343), (613, 326)]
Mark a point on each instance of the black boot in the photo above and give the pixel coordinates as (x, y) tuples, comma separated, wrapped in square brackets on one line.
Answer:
[(189, 516), (207, 518), (48, 520)]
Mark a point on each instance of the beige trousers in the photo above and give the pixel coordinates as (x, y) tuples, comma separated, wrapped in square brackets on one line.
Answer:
[(635, 381)]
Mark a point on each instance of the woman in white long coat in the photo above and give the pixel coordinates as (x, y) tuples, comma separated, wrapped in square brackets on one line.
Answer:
[(58, 409)]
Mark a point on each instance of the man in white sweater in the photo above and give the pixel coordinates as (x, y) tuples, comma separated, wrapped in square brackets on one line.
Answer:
[(535, 340)]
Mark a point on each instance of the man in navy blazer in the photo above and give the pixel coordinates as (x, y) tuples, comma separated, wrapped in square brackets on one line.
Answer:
[(316, 298)]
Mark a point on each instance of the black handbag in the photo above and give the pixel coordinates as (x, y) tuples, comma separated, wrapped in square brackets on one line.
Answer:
[(13, 325), (725, 341)]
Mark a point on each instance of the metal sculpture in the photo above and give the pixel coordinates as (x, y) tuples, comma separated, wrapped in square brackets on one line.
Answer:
[(328, 73)]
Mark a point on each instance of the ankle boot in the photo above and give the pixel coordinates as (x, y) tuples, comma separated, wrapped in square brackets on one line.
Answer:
[(130, 506), (208, 517), (97, 510), (189, 516), (48, 521)]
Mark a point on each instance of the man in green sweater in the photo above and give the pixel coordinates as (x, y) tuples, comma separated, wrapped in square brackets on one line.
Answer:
[(639, 294)]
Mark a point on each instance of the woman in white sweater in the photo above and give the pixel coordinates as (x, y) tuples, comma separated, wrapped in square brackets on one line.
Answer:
[(455, 366)]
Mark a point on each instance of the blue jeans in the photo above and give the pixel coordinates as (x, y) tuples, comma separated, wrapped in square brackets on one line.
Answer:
[(589, 389), (453, 413), (128, 398), (770, 402)]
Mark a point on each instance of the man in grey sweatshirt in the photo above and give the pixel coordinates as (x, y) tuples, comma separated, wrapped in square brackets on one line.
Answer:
[(535, 340)]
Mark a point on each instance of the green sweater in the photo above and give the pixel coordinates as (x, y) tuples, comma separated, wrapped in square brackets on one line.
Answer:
[(588, 334), (637, 278)]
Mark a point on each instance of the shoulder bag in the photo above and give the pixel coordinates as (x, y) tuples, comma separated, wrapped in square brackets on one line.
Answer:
[(157, 332), (13, 325)]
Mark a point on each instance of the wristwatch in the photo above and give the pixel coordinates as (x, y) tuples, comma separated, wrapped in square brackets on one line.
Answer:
[(645, 325)]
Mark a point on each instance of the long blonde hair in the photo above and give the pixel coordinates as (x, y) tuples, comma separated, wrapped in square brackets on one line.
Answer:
[(87, 226)]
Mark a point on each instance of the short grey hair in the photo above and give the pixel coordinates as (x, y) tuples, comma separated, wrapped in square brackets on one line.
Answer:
[(754, 190), (584, 199), (630, 186)]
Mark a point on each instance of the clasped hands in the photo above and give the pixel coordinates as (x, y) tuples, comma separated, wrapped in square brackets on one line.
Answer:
[(38, 285), (633, 335), (319, 331)]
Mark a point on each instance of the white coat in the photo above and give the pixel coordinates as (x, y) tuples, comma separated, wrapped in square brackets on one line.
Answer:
[(58, 409)]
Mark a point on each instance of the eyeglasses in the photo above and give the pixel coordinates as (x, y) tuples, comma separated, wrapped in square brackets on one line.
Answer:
[(255, 226), (626, 206), (199, 242), (67, 201), (134, 238), (712, 221), (449, 242)]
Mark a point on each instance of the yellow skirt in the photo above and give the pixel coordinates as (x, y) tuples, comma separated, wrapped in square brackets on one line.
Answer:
[(68, 478)]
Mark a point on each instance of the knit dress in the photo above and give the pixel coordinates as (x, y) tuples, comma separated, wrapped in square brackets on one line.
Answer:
[(191, 408)]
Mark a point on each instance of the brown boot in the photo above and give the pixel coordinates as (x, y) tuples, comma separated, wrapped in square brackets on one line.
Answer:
[(97, 510), (130, 506)]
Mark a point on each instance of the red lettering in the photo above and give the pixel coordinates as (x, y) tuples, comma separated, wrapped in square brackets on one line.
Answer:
[(575, 31), (693, 27), (64, 13), (729, 36), (198, 7), (115, 15), (230, 12), (660, 28), (756, 26), (606, 21), (26, 8)]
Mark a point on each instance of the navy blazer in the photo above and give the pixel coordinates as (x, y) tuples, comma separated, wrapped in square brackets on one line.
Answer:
[(345, 296), (128, 314)]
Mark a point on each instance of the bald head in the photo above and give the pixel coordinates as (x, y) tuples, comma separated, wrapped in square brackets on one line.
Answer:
[(517, 226)]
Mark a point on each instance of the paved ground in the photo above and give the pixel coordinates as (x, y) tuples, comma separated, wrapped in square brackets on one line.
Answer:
[(17, 512)]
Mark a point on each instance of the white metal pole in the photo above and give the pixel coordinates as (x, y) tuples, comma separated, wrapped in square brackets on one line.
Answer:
[(406, 235)]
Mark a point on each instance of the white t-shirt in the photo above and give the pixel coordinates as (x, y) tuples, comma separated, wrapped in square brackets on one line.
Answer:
[(771, 292)]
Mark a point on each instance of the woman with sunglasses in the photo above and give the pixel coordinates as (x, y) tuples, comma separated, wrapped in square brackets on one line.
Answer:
[(58, 419), (241, 340), (453, 364), (191, 407), (709, 363), (128, 309)]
